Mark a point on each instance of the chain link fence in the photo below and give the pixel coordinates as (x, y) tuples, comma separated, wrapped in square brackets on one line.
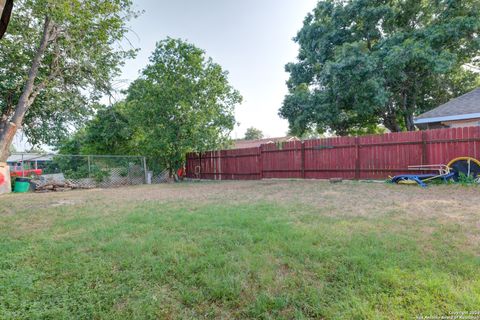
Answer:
[(50, 171)]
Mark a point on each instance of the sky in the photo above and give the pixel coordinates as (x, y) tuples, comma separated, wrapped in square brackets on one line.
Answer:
[(252, 39)]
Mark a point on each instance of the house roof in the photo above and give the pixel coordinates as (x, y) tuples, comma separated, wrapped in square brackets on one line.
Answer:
[(17, 157), (461, 108), (243, 144)]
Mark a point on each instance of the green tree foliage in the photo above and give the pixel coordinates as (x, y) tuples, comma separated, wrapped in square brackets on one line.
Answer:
[(107, 133), (181, 103), (253, 134), (56, 61), (367, 62)]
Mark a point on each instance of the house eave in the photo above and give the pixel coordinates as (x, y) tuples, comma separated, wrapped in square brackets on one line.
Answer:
[(447, 118)]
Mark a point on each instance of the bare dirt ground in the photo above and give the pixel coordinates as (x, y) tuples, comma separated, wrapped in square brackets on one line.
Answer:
[(452, 203), (406, 207)]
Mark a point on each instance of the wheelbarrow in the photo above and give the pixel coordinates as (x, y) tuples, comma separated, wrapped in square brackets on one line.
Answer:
[(467, 166)]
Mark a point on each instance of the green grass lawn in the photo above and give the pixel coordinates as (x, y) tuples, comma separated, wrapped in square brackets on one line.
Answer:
[(258, 250)]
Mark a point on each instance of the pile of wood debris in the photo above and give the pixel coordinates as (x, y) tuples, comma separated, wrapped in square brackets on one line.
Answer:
[(55, 186)]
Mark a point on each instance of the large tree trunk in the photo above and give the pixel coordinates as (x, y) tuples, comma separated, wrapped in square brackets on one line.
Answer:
[(6, 7), (390, 120), (9, 128), (407, 113), (409, 122)]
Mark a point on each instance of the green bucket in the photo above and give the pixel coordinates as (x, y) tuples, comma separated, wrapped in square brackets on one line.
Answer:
[(22, 185)]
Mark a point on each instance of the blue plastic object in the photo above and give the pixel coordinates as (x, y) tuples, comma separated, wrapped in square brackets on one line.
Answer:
[(418, 178)]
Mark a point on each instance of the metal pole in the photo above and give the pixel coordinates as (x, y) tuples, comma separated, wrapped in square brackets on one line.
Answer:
[(23, 167), (88, 159), (145, 169)]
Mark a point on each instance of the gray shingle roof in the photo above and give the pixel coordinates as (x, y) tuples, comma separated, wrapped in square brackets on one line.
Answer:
[(17, 157), (469, 103)]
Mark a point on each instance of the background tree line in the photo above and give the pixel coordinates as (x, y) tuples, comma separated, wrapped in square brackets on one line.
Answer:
[(181, 103), (362, 63), (57, 60), (365, 63)]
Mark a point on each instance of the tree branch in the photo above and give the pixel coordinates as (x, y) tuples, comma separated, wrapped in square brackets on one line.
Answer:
[(55, 71), (23, 102), (9, 129)]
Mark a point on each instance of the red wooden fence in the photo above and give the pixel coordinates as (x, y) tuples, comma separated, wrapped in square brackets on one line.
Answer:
[(366, 157)]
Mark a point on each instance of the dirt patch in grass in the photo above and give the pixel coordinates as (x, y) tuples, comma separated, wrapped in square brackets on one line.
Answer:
[(451, 203), (405, 207)]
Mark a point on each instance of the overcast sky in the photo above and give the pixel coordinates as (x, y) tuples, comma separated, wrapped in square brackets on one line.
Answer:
[(252, 39)]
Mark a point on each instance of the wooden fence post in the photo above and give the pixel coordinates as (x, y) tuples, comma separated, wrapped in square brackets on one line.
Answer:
[(200, 165), (424, 148), (260, 162), (357, 158), (303, 159), (219, 165), (235, 165), (213, 163)]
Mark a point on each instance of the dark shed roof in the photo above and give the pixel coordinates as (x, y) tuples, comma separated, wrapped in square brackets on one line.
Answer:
[(461, 108)]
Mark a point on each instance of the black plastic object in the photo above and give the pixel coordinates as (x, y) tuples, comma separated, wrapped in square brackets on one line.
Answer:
[(467, 167)]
